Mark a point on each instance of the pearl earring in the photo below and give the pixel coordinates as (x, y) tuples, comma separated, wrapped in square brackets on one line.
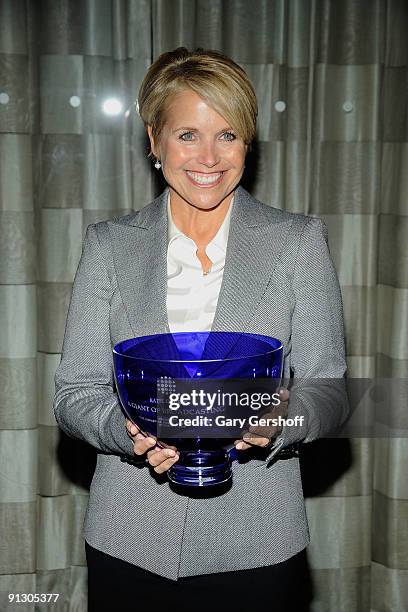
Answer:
[(157, 164)]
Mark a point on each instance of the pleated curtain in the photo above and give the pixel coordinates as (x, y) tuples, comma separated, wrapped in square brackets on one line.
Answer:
[(331, 78)]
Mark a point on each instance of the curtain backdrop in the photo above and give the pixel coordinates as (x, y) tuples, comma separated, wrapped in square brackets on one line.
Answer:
[(332, 83)]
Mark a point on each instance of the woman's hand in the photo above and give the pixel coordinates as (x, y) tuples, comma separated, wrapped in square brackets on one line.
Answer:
[(160, 459), (262, 436)]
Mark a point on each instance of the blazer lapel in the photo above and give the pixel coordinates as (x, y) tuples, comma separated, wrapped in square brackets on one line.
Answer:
[(140, 257), (256, 238), (252, 253)]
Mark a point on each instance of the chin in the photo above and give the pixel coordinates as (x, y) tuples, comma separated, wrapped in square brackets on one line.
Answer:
[(207, 204), (205, 199), (209, 196)]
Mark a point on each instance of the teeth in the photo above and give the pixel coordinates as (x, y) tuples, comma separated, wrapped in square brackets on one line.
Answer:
[(203, 179)]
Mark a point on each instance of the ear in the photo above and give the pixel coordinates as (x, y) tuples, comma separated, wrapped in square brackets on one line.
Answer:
[(152, 143)]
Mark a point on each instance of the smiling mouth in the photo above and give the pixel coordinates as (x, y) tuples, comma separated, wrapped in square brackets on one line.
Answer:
[(202, 178)]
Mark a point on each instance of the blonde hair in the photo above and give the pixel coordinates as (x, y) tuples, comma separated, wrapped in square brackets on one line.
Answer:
[(222, 83)]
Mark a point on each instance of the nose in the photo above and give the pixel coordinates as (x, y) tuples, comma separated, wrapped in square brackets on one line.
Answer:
[(208, 154)]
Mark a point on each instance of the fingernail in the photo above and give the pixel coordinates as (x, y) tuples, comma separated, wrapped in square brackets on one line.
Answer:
[(239, 446), (170, 453), (151, 441)]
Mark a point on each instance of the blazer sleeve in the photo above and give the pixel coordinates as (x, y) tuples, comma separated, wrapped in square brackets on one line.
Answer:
[(317, 356), (85, 404)]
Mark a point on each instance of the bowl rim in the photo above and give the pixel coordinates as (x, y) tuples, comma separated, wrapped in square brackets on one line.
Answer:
[(199, 361)]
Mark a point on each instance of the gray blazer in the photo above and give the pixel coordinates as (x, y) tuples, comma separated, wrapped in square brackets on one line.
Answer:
[(279, 280)]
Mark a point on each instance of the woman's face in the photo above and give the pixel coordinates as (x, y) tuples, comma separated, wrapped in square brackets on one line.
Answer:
[(202, 157)]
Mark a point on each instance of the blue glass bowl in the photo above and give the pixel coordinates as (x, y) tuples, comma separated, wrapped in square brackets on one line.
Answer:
[(140, 364)]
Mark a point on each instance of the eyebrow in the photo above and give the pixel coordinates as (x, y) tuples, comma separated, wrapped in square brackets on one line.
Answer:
[(192, 129)]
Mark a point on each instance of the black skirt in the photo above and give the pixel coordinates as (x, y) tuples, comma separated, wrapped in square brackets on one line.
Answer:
[(114, 584)]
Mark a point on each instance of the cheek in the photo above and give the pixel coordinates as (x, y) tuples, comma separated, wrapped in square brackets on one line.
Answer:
[(238, 159), (176, 155), (236, 155)]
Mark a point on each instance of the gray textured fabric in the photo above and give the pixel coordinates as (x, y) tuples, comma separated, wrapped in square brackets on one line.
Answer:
[(278, 280)]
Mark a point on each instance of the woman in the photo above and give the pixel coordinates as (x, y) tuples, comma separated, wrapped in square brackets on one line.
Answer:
[(203, 255)]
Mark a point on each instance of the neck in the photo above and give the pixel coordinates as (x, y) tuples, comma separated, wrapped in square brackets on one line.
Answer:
[(199, 225)]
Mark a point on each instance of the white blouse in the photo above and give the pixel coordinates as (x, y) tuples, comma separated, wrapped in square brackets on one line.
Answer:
[(191, 295)]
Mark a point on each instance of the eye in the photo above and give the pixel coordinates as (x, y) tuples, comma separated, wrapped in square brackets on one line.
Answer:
[(233, 137), (181, 137)]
